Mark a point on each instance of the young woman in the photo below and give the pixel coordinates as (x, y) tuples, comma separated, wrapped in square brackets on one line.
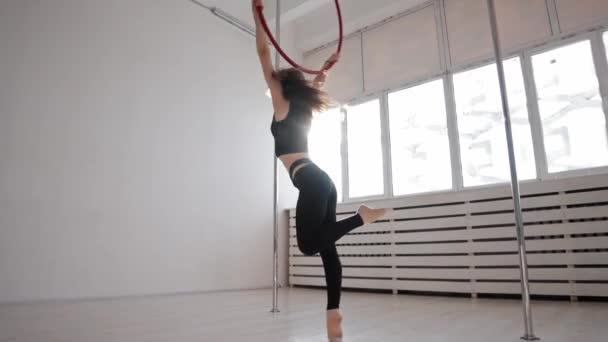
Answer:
[(294, 100)]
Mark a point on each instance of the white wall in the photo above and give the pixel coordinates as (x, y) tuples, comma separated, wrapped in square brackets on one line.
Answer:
[(135, 151)]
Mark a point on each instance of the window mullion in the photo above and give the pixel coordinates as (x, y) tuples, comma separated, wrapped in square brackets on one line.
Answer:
[(452, 121), (601, 67), (443, 37), (344, 151), (450, 102), (538, 140), (386, 146), (553, 18)]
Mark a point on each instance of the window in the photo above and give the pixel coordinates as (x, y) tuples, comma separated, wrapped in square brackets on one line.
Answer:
[(574, 125), (324, 143), (348, 142), (420, 148), (483, 143), (365, 162)]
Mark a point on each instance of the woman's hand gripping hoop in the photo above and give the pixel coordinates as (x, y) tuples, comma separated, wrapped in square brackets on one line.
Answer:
[(260, 9)]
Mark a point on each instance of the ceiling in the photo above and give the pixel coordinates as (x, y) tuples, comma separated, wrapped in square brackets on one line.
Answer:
[(314, 22), (320, 26), (242, 8)]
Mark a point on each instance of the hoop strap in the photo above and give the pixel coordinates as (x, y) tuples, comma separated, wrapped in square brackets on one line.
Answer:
[(274, 42)]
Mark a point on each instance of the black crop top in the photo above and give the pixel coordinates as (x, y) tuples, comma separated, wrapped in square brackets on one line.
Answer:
[(291, 133)]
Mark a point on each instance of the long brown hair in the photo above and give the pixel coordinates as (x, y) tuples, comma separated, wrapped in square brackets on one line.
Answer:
[(298, 90)]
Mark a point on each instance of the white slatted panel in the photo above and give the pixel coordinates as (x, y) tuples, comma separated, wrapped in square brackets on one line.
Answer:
[(401, 50), (295, 260), (586, 197), (541, 245), (434, 223), (433, 286), (593, 274), (346, 261), (368, 284), (542, 259), (358, 239), (586, 212), (465, 242), (376, 261), (531, 216), (346, 78), (443, 235), (585, 274), (365, 250), (372, 228), (596, 290), (597, 258), (417, 213), (515, 288), (433, 273), (375, 228), (377, 284), (443, 248), (540, 230), (574, 14), (513, 274), (507, 204), (346, 272), (433, 261), (521, 22), (366, 238)]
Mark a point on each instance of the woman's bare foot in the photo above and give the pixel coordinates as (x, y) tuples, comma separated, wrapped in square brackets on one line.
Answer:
[(334, 325), (370, 215)]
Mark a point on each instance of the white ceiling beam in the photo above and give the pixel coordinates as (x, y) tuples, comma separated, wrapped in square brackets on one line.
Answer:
[(301, 10)]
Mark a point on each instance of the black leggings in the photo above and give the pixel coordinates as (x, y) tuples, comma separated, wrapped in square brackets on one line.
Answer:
[(316, 225)]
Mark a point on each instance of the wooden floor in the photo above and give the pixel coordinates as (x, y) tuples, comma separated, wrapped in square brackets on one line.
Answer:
[(244, 316)]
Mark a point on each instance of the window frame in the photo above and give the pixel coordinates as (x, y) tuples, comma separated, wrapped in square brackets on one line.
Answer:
[(601, 70), (486, 63), (345, 169), (451, 129), (599, 53)]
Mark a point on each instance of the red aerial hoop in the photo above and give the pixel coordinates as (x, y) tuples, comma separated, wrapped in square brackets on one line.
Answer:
[(260, 10)]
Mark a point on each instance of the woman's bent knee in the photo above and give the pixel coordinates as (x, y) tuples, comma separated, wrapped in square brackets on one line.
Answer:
[(307, 249)]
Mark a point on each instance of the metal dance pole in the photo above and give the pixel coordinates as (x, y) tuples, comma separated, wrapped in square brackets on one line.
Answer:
[(523, 263), (275, 257)]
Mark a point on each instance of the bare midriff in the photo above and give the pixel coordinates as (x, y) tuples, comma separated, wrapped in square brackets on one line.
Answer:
[(289, 159)]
